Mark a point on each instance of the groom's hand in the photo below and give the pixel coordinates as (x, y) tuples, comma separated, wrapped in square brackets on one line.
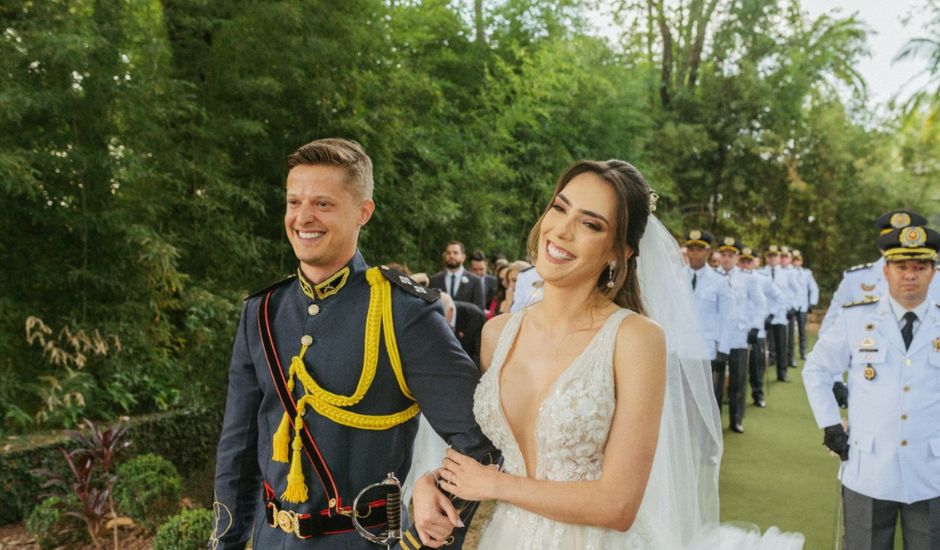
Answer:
[(435, 515)]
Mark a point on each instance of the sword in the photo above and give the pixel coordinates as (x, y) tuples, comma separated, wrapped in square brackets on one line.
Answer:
[(392, 533)]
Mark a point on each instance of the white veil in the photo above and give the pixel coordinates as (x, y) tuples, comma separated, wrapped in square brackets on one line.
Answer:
[(682, 492)]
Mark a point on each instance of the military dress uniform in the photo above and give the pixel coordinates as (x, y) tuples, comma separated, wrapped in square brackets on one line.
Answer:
[(359, 354), (715, 302), (757, 363), (892, 463), (749, 305), (528, 290), (808, 298), (793, 280), (778, 322)]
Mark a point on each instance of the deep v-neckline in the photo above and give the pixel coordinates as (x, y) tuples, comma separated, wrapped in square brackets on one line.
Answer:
[(552, 388)]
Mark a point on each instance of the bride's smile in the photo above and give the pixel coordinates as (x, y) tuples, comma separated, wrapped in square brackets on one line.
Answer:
[(576, 238)]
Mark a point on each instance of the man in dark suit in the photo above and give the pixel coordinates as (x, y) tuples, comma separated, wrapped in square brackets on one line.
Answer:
[(466, 320), (479, 267), (462, 285)]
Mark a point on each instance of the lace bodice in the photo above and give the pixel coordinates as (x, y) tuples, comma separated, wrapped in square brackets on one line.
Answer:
[(573, 420)]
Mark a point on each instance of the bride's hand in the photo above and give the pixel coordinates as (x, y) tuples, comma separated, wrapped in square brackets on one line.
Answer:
[(468, 479)]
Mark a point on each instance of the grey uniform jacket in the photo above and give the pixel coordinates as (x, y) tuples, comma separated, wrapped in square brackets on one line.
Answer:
[(436, 369)]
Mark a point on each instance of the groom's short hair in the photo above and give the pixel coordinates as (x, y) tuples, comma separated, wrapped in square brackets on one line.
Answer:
[(343, 153)]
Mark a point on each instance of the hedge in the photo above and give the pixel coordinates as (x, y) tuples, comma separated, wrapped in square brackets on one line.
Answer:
[(186, 438)]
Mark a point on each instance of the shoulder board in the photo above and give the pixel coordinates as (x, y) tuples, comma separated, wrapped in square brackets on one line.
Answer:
[(864, 302), (271, 286), (406, 283), (857, 267), (527, 269)]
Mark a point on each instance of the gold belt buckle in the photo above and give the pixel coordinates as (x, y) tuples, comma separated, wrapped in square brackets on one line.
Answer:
[(287, 521)]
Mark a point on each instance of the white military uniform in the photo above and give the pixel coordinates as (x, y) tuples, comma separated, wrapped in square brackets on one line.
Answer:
[(780, 277), (528, 290), (894, 415), (774, 297), (866, 281), (808, 289), (750, 306), (716, 308)]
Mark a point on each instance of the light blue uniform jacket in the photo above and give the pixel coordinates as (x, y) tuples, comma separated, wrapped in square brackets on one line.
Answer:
[(715, 303), (749, 305), (774, 297), (894, 418)]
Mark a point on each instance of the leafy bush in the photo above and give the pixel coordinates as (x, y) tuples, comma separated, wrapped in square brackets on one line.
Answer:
[(147, 489), (154, 433), (52, 526), (185, 531)]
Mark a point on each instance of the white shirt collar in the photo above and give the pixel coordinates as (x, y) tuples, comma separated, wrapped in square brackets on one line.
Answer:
[(458, 272), (700, 270), (898, 310)]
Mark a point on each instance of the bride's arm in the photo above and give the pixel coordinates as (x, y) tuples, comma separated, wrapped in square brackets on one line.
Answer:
[(613, 500)]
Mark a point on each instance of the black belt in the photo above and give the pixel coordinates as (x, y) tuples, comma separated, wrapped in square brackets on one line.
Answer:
[(326, 522)]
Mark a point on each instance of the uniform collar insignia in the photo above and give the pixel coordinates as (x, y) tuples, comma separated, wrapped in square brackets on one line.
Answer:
[(333, 284)]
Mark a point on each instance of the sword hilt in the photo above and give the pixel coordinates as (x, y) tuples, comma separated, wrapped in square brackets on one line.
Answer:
[(392, 532)]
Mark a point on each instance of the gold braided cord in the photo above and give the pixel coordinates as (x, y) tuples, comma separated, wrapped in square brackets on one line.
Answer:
[(391, 344), (370, 360), (361, 421), (922, 253), (379, 319)]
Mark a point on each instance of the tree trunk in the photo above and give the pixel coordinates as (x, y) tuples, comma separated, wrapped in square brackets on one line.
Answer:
[(478, 22), (665, 84)]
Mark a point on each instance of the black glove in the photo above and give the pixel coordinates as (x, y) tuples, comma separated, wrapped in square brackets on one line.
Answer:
[(837, 441), (769, 319), (721, 357), (752, 336), (841, 391), (791, 314)]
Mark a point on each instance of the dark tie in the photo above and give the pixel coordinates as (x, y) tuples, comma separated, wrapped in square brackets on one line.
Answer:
[(694, 280), (773, 273), (907, 331), (453, 284)]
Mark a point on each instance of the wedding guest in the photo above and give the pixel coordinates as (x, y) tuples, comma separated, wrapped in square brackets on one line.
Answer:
[(808, 298), (527, 288), (466, 320), (479, 267), (455, 280), (496, 304), (890, 348)]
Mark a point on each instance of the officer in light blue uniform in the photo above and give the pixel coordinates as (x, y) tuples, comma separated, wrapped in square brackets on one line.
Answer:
[(776, 308), (808, 298), (712, 296), (749, 308), (890, 347), (777, 324), (528, 290), (793, 280), (866, 281)]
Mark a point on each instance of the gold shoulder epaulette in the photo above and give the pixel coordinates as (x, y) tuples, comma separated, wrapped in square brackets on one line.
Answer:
[(857, 267), (865, 302)]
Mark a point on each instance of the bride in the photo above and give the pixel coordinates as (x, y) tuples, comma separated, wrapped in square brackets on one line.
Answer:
[(598, 395)]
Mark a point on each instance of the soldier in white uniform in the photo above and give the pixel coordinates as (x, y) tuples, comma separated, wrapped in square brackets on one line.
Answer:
[(866, 280), (777, 327), (808, 298), (712, 295), (775, 307), (792, 279), (890, 347), (749, 305)]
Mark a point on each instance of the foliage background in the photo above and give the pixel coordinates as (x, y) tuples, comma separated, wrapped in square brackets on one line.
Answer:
[(143, 147)]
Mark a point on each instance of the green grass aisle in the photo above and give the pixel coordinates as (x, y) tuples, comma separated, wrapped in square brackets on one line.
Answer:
[(777, 472)]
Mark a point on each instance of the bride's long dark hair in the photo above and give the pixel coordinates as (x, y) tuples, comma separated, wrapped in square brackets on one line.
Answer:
[(633, 210)]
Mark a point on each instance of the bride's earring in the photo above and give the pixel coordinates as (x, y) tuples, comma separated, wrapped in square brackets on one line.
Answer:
[(612, 273)]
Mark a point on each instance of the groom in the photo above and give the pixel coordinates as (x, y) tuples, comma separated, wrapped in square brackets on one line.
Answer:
[(330, 368)]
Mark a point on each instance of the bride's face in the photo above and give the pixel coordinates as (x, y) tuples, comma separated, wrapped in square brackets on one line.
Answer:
[(577, 233)]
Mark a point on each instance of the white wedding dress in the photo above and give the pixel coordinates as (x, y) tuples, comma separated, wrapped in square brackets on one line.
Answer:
[(571, 433)]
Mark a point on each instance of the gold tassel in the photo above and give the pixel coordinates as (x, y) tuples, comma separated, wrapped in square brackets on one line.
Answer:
[(282, 440), (296, 485)]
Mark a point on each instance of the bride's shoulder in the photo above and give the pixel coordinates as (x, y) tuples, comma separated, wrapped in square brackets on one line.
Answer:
[(640, 335)]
